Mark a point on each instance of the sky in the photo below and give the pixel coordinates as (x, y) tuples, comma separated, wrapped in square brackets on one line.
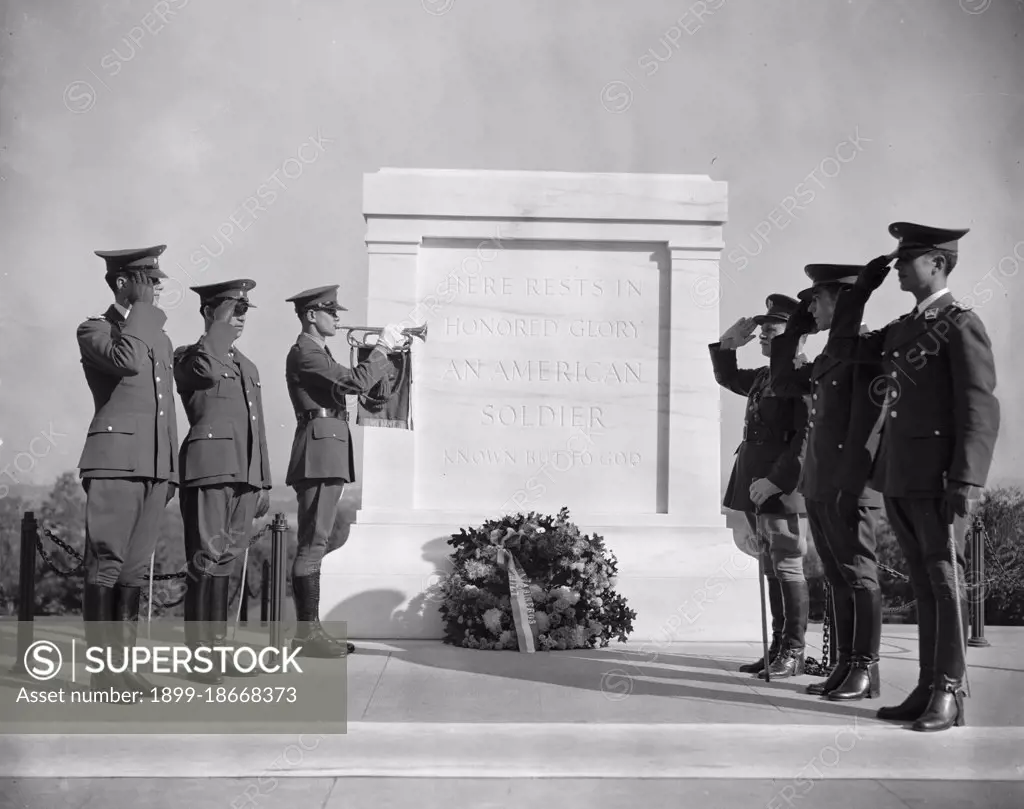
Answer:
[(238, 133)]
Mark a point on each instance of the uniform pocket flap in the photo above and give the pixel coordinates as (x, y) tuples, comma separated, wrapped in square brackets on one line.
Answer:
[(113, 424), (328, 428), (204, 431)]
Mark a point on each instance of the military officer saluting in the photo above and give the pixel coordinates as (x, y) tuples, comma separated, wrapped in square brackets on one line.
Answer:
[(129, 463), (321, 462), (225, 466), (940, 423), (764, 480), (842, 510)]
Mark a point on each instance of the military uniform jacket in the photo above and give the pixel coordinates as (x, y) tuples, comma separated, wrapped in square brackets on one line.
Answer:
[(220, 389), (940, 417), (844, 423), (322, 447), (774, 429), (127, 363)]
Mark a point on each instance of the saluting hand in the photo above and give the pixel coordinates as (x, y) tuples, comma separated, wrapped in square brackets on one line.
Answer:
[(225, 311), (140, 288), (802, 321), (761, 489), (873, 275), (738, 334)]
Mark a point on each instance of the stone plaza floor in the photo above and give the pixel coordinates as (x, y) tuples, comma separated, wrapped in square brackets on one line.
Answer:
[(667, 725)]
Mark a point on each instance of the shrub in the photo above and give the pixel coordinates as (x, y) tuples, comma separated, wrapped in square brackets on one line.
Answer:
[(571, 575), (1000, 515), (897, 593)]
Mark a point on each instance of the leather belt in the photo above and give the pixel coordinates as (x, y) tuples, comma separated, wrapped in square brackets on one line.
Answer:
[(753, 437), (322, 413)]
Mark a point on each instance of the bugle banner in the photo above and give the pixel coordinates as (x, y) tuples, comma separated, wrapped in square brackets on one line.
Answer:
[(522, 602), (387, 403)]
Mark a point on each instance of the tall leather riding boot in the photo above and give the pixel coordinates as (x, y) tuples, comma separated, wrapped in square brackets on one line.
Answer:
[(945, 707), (99, 613), (778, 621), (219, 596), (127, 612), (310, 637), (842, 606), (917, 700), (863, 680), (198, 632), (790, 661)]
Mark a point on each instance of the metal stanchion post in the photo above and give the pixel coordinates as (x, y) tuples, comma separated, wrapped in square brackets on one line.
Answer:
[(278, 557), (265, 593), (26, 589), (976, 574)]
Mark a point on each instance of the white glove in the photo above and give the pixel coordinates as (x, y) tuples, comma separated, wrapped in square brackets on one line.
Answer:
[(391, 337)]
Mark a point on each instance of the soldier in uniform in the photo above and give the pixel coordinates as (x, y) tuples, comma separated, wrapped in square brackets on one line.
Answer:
[(128, 466), (225, 466), (764, 480), (842, 510), (322, 460), (940, 423)]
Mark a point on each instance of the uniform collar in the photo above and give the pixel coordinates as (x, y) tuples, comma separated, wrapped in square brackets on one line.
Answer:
[(316, 338), (930, 300), (122, 310)]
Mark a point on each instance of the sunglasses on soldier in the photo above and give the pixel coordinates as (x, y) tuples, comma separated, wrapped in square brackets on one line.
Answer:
[(330, 308)]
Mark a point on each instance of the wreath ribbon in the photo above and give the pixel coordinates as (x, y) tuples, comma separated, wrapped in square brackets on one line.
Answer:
[(522, 602)]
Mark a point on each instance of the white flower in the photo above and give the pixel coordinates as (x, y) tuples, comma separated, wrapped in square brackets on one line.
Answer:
[(492, 620)]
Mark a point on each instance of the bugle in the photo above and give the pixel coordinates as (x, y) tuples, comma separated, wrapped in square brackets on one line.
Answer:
[(359, 342)]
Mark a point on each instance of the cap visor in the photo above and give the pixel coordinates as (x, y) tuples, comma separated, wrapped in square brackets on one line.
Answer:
[(760, 320)]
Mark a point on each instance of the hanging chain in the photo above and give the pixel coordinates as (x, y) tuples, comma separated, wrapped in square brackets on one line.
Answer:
[(77, 569)]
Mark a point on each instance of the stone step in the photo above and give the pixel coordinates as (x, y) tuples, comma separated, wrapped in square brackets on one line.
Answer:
[(792, 753)]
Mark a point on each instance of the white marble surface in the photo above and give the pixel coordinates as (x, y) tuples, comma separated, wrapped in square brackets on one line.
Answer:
[(565, 365)]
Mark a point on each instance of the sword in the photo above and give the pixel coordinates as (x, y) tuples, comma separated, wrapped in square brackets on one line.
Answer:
[(243, 591), (762, 546), (764, 618), (959, 614), (149, 608)]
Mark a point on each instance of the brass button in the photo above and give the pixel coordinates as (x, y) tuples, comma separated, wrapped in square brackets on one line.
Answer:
[(895, 353), (834, 382), (210, 435), (937, 432), (815, 396), (840, 446), (109, 428), (893, 414), (814, 410), (161, 412), (893, 374), (158, 379)]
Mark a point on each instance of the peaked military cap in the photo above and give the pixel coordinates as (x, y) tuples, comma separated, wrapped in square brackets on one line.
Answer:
[(237, 289), (914, 238), (137, 259), (779, 307), (325, 298), (824, 275)]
